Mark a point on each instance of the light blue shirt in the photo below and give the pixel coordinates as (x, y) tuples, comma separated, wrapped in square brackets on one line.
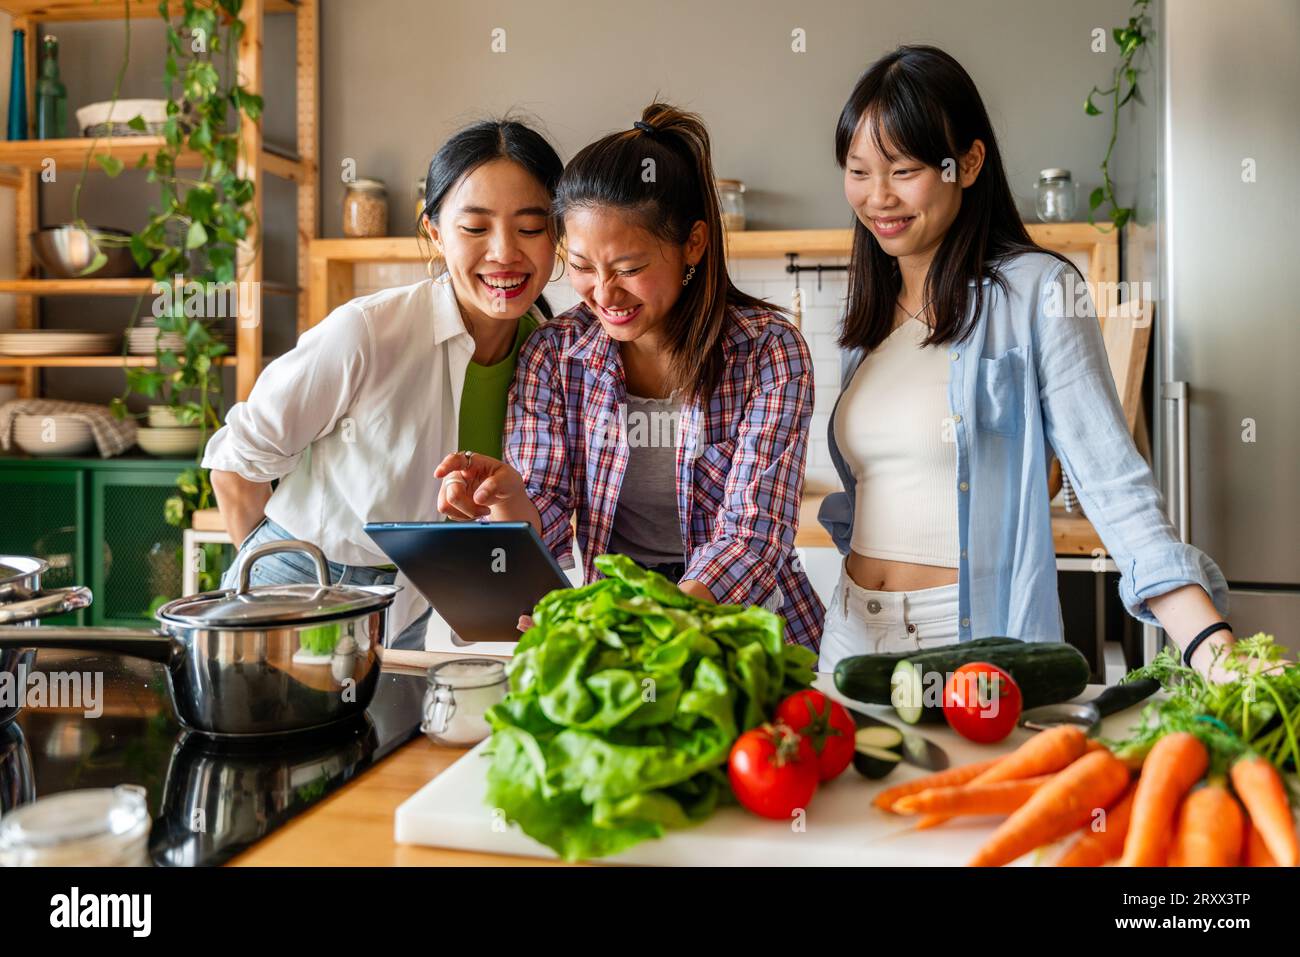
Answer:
[(1033, 375)]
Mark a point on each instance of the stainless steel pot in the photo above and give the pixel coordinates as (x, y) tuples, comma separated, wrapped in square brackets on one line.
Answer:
[(249, 661), (22, 602)]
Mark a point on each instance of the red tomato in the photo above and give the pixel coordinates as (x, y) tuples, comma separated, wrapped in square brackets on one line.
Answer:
[(981, 702), (773, 771), (826, 724)]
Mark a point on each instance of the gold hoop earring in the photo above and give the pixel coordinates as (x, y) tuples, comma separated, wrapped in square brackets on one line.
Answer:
[(689, 273), (560, 260)]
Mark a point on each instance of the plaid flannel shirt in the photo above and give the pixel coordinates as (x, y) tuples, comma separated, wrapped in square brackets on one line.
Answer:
[(740, 456)]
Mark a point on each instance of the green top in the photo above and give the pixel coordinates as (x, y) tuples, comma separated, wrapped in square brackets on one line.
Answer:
[(483, 399)]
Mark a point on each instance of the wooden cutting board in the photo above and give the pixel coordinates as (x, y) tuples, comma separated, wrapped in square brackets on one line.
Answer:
[(841, 827)]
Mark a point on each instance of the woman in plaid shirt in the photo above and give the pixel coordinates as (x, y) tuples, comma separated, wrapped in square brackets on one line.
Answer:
[(668, 410)]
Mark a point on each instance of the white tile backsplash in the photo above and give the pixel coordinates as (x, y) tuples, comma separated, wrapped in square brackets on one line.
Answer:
[(765, 278)]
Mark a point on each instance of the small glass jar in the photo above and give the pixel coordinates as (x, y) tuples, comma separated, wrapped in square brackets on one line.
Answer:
[(1054, 196), (97, 827), (459, 695), (731, 194), (365, 209)]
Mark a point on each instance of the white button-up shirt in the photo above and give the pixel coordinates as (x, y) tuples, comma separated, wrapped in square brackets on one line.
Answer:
[(353, 421)]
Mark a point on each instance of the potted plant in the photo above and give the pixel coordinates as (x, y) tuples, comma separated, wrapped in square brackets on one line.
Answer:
[(189, 243)]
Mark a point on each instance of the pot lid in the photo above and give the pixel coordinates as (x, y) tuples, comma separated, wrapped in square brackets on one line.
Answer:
[(276, 605), (16, 566)]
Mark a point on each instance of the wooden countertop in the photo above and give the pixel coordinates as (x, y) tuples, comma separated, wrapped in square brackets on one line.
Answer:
[(354, 826)]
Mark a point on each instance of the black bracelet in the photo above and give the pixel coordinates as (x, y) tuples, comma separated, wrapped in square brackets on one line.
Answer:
[(1205, 633)]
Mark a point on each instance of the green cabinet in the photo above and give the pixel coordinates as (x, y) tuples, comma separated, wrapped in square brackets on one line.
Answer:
[(98, 522)]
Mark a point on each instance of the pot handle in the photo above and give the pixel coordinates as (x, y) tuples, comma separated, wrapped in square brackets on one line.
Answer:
[(438, 709), (136, 642), (249, 558), (12, 592), (45, 604)]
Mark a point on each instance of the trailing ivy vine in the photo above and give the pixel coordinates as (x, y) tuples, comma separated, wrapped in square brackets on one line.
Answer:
[(205, 212), (1131, 39)]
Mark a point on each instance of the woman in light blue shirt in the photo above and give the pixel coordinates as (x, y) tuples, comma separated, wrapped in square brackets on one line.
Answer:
[(968, 357)]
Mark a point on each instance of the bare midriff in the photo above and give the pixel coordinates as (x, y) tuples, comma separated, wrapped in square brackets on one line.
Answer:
[(879, 574)]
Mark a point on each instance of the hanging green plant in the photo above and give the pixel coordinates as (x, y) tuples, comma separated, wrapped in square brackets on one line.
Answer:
[(190, 242), (1131, 40)]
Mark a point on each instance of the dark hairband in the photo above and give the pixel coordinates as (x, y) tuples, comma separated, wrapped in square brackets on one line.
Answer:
[(644, 127)]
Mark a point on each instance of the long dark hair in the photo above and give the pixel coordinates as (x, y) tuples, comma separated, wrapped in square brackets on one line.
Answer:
[(919, 102), (611, 173), (482, 142)]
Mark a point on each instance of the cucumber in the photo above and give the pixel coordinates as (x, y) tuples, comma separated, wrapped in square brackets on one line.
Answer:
[(877, 751), (1046, 674), (867, 677)]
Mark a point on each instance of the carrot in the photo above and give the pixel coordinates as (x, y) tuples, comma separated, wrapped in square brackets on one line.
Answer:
[(1260, 788), (1093, 848), (1176, 762), (1002, 797), (1064, 803), (1209, 828), (1046, 752), (949, 778), (1257, 854)]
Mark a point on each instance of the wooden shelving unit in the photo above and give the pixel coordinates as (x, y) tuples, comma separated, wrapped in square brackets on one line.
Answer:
[(105, 287), (88, 362), (20, 162), (329, 276)]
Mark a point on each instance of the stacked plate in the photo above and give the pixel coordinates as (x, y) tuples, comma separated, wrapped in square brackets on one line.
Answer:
[(141, 340), (52, 435), (57, 342)]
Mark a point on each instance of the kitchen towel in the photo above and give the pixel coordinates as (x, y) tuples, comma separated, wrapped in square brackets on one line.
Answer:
[(112, 436)]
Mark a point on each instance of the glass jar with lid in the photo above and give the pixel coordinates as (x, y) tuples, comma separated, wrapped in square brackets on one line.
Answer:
[(365, 209), (731, 194), (1054, 196), (96, 827), (459, 694)]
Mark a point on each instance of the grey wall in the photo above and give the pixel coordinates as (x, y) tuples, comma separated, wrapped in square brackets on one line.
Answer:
[(400, 75), (397, 76)]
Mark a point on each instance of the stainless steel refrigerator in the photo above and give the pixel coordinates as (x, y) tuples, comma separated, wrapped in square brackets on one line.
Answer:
[(1227, 441)]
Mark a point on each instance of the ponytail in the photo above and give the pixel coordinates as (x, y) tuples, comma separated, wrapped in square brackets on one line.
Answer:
[(661, 173)]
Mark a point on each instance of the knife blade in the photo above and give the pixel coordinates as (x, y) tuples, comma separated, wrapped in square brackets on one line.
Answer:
[(917, 750)]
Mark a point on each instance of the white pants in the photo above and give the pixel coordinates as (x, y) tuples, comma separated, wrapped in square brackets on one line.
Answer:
[(863, 622)]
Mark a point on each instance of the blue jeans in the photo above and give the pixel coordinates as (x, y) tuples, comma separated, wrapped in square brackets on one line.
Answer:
[(291, 568)]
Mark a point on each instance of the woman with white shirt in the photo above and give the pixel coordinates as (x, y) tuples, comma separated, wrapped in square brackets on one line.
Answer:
[(965, 364), (353, 421)]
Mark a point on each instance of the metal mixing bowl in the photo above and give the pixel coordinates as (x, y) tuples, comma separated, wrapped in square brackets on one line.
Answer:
[(66, 250)]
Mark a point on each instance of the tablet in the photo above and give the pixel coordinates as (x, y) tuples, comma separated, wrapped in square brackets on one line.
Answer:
[(479, 576)]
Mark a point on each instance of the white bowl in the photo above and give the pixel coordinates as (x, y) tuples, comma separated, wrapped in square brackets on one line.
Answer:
[(64, 435), (163, 417), (153, 112), (169, 441)]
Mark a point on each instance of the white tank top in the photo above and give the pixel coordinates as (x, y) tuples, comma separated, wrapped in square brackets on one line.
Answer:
[(896, 433)]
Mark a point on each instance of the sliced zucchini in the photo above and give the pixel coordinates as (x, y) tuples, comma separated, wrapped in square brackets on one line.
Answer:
[(880, 738), (906, 692), (875, 763)]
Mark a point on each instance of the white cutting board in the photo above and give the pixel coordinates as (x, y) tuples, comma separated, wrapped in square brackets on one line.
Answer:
[(842, 827)]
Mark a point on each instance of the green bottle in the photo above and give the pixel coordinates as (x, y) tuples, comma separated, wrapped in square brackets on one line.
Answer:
[(51, 96)]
